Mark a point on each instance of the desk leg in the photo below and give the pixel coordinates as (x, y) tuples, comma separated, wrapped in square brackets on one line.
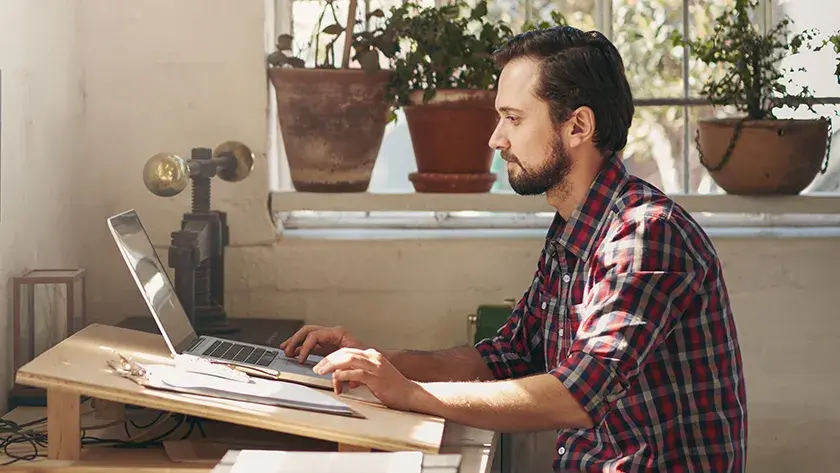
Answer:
[(345, 447), (64, 431)]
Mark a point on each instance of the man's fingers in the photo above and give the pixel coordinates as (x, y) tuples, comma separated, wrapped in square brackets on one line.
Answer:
[(292, 342), (345, 359), (336, 383), (309, 343), (354, 378)]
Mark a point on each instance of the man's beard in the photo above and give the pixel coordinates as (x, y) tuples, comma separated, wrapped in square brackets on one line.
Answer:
[(550, 176)]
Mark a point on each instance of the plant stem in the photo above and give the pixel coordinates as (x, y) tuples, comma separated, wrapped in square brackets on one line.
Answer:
[(348, 38), (755, 103)]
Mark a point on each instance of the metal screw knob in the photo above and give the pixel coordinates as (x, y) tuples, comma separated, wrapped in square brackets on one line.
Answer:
[(166, 175)]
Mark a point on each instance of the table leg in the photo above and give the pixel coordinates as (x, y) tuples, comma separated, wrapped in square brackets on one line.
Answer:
[(346, 447), (64, 430)]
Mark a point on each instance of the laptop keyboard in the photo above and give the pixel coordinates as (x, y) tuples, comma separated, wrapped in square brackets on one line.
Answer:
[(240, 353)]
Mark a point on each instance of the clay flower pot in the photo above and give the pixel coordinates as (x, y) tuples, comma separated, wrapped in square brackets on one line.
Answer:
[(449, 135), (332, 122), (768, 156)]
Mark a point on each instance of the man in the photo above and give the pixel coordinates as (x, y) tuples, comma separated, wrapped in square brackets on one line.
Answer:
[(624, 342)]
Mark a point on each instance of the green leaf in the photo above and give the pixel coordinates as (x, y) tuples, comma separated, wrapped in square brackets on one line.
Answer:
[(277, 58), (387, 45), (334, 29), (480, 11), (284, 42), (369, 60)]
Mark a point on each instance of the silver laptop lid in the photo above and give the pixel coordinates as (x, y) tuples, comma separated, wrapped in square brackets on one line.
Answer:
[(152, 280)]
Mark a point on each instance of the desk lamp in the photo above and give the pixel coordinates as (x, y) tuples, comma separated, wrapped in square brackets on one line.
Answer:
[(197, 250)]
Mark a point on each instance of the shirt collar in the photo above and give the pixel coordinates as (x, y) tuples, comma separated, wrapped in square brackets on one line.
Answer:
[(578, 233)]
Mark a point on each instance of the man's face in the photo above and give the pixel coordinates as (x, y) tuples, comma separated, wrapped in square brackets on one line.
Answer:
[(536, 156)]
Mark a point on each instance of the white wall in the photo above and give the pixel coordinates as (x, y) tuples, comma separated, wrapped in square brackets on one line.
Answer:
[(159, 76), (41, 102)]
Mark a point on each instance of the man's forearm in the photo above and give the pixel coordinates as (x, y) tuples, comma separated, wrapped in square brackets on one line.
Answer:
[(454, 364), (529, 404)]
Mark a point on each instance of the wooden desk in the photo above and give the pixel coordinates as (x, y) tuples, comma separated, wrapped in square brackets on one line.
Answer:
[(77, 366)]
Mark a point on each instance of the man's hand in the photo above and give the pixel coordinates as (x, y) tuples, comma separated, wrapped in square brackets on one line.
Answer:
[(319, 341), (371, 368)]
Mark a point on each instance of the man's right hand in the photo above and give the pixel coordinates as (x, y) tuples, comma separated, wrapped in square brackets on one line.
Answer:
[(319, 340)]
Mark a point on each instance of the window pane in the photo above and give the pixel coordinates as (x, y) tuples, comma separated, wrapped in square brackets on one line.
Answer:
[(395, 161), (655, 147), (578, 13), (702, 16), (819, 66), (642, 30), (305, 16)]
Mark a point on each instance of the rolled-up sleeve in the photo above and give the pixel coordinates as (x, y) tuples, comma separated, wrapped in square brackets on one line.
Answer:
[(645, 278), (517, 348)]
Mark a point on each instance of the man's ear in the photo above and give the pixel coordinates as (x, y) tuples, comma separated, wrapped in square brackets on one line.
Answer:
[(580, 127)]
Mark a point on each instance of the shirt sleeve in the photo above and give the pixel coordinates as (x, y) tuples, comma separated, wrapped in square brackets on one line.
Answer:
[(647, 276), (517, 349)]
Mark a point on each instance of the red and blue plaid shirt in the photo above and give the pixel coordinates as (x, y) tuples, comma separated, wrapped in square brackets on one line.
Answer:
[(628, 309)]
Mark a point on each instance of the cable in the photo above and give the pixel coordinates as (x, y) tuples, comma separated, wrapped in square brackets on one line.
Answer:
[(12, 433)]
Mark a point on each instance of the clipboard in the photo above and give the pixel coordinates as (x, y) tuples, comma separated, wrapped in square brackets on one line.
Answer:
[(254, 389)]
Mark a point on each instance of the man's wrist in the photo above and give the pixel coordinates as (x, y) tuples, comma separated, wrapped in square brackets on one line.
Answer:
[(422, 400)]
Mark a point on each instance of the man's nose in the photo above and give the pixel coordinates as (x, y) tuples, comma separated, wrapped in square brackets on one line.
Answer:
[(498, 139)]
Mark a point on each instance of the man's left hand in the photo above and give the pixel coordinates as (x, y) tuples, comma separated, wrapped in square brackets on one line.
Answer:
[(371, 368)]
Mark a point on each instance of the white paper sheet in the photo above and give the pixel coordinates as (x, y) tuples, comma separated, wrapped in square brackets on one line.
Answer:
[(264, 391), (267, 461)]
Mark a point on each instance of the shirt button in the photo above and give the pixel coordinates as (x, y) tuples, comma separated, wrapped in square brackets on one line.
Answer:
[(544, 305), (561, 450), (566, 278)]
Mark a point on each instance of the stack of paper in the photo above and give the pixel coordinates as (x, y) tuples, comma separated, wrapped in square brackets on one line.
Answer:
[(269, 461), (258, 390)]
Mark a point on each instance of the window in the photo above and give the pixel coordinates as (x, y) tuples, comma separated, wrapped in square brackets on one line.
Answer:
[(665, 80)]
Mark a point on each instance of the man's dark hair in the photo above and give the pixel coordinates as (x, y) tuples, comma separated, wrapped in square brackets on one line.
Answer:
[(577, 69)]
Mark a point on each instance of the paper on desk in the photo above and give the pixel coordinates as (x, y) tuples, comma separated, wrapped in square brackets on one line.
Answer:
[(269, 461), (263, 391)]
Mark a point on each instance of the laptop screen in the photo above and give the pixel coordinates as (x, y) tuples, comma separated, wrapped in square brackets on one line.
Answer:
[(152, 279)]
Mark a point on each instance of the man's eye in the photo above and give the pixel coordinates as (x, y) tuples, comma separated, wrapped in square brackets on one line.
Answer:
[(512, 119)]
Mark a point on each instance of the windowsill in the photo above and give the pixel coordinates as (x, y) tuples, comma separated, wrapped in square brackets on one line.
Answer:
[(370, 234), (819, 203), (722, 216)]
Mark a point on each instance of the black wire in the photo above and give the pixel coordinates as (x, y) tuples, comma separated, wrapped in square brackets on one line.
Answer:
[(17, 434), (160, 414)]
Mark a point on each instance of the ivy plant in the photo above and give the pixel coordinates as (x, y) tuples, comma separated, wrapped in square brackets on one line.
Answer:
[(448, 47), (751, 78), (557, 19), (834, 41)]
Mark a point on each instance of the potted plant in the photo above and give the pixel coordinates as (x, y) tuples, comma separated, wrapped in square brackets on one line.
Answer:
[(834, 40), (332, 118), (756, 153), (444, 80)]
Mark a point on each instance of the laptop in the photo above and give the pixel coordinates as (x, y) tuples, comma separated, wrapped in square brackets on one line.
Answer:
[(172, 321)]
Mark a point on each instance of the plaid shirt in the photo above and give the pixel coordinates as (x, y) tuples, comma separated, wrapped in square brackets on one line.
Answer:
[(628, 309)]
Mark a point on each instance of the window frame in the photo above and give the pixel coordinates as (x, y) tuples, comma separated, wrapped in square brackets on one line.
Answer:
[(294, 210)]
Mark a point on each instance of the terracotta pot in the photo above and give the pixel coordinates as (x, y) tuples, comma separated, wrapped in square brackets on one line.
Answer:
[(332, 123), (768, 157), (454, 183), (450, 133)]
